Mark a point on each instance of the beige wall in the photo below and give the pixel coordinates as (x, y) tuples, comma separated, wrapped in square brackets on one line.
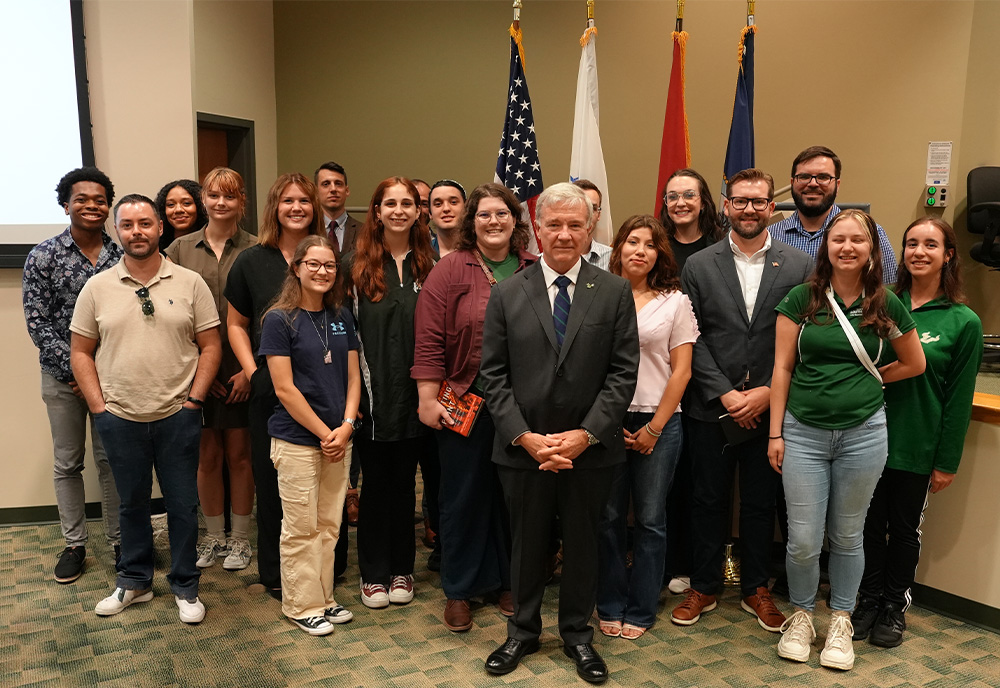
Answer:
[(234, 73), (144, 91)]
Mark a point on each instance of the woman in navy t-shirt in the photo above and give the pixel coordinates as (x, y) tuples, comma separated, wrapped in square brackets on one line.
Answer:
[(312, 353)]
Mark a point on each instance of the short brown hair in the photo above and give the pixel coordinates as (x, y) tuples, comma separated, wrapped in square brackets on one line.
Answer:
[(586, 184), (467, 231), (817, 152), (751, 174)]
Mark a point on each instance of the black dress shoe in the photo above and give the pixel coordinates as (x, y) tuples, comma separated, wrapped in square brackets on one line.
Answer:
[(589, 665), (505, 658)]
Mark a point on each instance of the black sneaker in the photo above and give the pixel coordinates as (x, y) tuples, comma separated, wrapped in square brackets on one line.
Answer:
[(434, 559), (888, 629), (70, 564), (314, 625), (864, 615)]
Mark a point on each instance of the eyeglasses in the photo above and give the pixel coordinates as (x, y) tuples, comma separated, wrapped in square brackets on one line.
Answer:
[(315, 265), (596, 208), (821, 179), (501, 215), (147, 304), (740, 203), (689, 196)]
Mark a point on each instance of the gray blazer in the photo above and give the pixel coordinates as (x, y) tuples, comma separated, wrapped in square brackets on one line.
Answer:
[(732, 351), (531, 384)]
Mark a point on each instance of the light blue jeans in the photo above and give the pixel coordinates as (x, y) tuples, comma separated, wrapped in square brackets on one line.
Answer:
[(829, 477)]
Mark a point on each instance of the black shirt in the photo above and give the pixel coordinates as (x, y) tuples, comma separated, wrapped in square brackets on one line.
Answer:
[(684, 251), (254, 283), (385, 328)]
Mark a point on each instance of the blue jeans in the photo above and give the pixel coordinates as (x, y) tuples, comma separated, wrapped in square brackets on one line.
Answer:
[(647, 478), (170, 447), (829, 477)]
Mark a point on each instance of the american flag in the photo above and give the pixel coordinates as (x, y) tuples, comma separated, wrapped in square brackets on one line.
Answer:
[(518, 167)]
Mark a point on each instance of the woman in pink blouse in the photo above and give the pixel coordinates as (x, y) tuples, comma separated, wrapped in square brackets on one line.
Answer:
[(626, 604)]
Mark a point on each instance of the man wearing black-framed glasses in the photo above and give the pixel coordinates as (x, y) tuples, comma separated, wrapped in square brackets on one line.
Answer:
[(815, 182), (158, 330)]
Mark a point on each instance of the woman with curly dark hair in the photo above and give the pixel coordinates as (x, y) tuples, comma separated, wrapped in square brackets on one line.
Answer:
[(828, 425), (181, 209), (385, 273), (475, 529), (627, 601)]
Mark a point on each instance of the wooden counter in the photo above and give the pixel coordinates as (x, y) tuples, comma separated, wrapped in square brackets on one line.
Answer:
[(986, 408)]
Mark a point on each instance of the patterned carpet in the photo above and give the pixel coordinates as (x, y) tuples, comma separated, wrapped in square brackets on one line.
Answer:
[(50, 636)]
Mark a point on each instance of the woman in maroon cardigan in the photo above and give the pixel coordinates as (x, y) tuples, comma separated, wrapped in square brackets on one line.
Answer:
[(475, 529)]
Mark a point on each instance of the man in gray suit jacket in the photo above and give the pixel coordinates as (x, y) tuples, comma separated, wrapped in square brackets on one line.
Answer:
[(341, 228), (559, 367), (734, 287)]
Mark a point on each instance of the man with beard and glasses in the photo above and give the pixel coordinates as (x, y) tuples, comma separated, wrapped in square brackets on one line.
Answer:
[(734, 286), (815, 181), (158, 330)]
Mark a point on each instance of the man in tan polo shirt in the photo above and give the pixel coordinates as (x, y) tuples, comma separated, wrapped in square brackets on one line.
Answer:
[(145, 347)]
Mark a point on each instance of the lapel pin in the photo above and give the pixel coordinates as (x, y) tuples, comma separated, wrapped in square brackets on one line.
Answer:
[(590, 285), (775, 264)]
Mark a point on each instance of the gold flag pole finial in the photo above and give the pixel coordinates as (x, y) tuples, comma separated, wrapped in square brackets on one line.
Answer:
[(590, 9), (750, 12), (679, 26), (517, 13)]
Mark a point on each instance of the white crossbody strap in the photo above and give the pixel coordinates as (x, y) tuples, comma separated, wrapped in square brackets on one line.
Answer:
[(852, 336)]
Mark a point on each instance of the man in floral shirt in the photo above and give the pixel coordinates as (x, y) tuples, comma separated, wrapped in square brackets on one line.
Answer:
[(54, 274)]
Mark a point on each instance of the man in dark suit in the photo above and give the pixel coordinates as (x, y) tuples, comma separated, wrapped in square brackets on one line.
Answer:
[(734, 286), (560, 359), (331, 185)]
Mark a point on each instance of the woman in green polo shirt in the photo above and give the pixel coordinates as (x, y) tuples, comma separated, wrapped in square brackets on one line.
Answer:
[(928, 417), (828, 427)]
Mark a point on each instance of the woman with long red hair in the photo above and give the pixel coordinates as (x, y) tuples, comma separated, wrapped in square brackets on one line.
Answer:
[(384, 274)]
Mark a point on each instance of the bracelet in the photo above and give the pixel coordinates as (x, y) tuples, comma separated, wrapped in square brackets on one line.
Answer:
[(650, 431), (200, 402), (776, 437)]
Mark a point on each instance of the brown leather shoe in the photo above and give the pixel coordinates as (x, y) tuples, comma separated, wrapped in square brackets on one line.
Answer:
[(689, 611), (506, 603), (762, 605), (457, 615), (353, 504), (429, 534)]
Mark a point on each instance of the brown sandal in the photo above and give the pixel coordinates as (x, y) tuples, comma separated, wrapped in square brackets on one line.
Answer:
[(630, 632), (612, 629)]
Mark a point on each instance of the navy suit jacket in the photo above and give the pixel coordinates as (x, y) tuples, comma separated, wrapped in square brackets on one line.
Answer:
[(532, 384)]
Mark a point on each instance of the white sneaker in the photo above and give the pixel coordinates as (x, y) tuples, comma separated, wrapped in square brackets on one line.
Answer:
[(191, 611), (121, 598), (239, 555), (208, 551), (678, 584), (838, 653), (374, 595), (797, 636)]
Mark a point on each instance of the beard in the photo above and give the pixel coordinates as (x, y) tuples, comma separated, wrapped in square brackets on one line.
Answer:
[(814, 209), (752, 231)]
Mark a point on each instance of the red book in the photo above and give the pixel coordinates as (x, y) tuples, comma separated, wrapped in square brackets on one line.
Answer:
[(463, 409)]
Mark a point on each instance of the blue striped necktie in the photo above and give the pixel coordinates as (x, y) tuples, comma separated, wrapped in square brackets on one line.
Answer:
[(560, 309)]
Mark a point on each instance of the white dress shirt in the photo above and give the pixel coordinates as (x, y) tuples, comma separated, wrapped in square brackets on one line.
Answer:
[(550, 281), (750, 269)]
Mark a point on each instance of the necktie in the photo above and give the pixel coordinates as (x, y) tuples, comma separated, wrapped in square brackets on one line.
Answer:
[(560, 309), (333, 237)]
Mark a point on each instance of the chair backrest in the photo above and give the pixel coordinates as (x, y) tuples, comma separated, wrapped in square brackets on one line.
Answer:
[(983, 198)]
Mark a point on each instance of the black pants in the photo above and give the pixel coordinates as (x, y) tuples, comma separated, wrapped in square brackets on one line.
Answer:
[(262, 403), (892, 536), (534, 498), (430, 473), (386, 545), (713, 465)]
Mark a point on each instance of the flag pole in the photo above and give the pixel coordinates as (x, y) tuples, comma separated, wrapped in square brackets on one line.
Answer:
[(679, 25), (591, 29), (517, 14), (750, 12)]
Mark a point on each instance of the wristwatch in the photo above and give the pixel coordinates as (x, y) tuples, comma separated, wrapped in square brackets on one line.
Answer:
[(591, 437), (351, 421)]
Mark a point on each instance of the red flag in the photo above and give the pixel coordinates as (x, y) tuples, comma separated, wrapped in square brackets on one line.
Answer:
[(675, 148)]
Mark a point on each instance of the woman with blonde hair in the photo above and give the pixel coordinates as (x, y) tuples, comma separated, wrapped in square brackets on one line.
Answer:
[(211, 252), (292, 213)]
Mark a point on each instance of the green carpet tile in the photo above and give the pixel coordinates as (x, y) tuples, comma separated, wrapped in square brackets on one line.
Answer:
[(50, 637)]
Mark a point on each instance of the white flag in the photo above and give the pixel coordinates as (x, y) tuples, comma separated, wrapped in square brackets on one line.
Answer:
[(587, 159)]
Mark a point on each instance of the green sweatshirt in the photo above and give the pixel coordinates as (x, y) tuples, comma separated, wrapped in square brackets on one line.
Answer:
[(928, 415)]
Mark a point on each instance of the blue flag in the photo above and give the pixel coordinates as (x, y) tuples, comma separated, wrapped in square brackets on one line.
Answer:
[(740, 151)]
